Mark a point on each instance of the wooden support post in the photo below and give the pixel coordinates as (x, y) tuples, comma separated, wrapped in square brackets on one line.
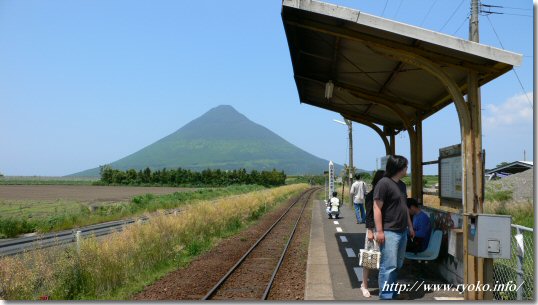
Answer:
[(476, 204), (419, 151), (416, 181), (392, 143), (483, 267), (470, 268)]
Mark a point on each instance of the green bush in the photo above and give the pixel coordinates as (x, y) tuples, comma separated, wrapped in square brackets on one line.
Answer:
[(11, 227), (500, 196), (185, 177)]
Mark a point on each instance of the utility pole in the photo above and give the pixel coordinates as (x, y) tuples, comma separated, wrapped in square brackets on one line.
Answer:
[(351, 170), (350, 135), (473, 23)]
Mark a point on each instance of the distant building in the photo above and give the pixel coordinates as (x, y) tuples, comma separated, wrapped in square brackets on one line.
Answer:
[(508, 169)]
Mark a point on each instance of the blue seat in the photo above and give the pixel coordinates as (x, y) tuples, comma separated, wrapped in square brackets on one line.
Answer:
[(431, 252)]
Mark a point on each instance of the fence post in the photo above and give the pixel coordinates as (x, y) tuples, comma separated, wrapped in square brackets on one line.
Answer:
[(77, 238), (520, 269)]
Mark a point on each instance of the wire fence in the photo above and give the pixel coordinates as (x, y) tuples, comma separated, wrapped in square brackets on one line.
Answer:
[(519, 269)]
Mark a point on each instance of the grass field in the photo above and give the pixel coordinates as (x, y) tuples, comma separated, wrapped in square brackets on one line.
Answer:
[(123, 263), (44, 180), (17, 217)]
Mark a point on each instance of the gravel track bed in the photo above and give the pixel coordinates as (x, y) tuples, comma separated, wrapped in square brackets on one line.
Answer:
[(290, 280), (194, 281), (249, 281)]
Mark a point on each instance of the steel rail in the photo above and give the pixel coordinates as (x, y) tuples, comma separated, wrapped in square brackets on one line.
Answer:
[(20, 245), (281, 260), (249, 251)]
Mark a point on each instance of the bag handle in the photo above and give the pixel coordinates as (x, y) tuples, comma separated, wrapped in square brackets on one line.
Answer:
[(376, 245)]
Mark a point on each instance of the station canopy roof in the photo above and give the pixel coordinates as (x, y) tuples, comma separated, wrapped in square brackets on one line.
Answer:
[(334, 43)]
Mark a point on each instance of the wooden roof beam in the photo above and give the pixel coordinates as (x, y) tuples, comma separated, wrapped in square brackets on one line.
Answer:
[(366, 94), (370, 40)]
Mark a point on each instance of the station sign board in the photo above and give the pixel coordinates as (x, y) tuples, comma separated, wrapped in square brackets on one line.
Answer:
[(451, 176), (331, 178)]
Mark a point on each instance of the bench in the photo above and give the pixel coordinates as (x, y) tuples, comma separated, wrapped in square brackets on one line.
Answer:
[(431, 252)]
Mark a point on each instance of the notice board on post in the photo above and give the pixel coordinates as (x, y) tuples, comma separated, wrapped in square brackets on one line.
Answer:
[(451, 176)]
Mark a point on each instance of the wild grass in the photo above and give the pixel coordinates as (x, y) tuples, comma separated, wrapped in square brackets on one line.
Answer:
[(120, 265), (522, 212), (41, 218)]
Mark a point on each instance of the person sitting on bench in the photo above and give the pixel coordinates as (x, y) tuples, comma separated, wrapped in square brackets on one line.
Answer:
[(422, 227)]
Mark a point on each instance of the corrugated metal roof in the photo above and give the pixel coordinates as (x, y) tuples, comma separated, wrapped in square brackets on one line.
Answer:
[(512, 168)]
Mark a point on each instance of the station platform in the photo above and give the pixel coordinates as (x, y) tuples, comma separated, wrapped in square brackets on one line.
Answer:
[(333, 271)]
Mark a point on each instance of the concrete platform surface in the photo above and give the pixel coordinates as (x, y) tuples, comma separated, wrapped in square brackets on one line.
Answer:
[(333, 271)]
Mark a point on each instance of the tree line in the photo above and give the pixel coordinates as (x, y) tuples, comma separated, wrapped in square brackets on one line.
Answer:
[(186, 177)]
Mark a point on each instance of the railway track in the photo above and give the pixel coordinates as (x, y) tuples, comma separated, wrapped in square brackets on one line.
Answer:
[(252, 276), (20, 245)]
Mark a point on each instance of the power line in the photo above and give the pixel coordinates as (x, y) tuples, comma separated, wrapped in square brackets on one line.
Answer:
[(523, 15), (383, 12), (428, 13), (517, 76), (451, 16), (398, 10), (518, 8), (464, 20), (485, 9), (508, 7)]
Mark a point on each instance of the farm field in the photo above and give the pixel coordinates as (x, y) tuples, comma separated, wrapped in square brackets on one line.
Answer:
[(46, 180), (45, 208), (127, 261), (80, 193)]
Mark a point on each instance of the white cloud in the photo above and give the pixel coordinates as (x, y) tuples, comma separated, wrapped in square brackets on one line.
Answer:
[(515, 111)]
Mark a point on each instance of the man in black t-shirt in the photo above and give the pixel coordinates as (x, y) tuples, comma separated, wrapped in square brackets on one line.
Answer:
[(392, 222)]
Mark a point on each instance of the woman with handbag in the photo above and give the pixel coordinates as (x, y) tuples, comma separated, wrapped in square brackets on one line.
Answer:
[(393, 224), (369, 241)]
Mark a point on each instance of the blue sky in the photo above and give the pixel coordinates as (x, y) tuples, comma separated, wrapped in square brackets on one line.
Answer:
[(84, 83)]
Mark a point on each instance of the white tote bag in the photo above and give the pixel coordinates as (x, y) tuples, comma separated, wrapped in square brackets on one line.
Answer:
[(370, 257)]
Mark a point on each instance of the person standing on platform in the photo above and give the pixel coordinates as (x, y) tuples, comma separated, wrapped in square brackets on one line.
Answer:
[(392, 223), (370, 228), (358, 192)]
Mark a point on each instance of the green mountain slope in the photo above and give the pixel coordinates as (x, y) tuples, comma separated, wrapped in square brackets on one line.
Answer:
[(222, 138)]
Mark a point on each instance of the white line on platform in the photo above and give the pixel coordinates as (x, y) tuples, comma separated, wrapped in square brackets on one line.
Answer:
[(338, 229), (343, 239), (350, 252), (336, 222), (358, 273)]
